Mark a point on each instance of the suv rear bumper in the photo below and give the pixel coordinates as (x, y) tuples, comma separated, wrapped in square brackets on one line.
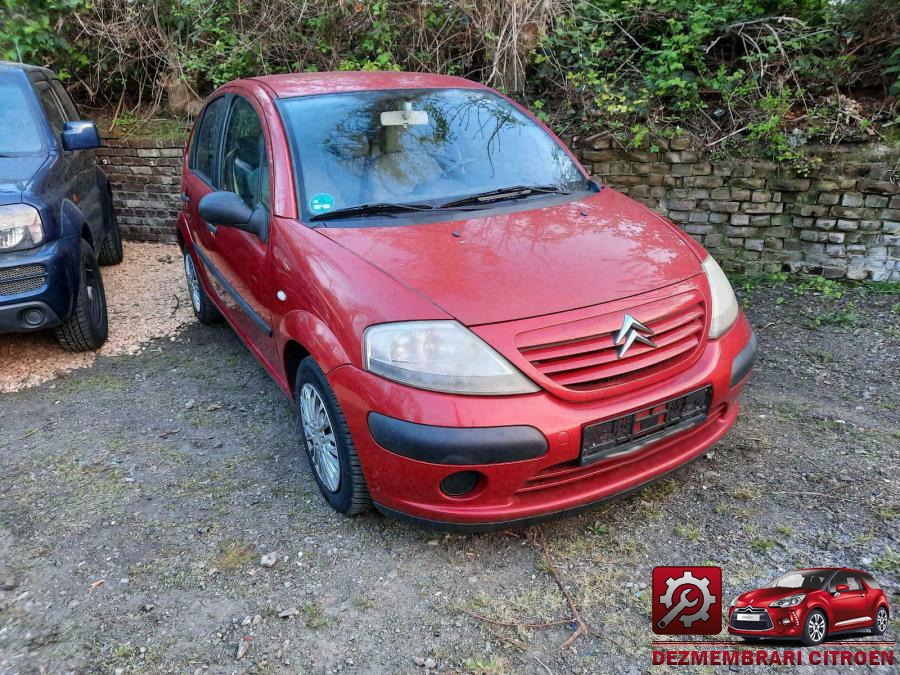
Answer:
[(38, 286)]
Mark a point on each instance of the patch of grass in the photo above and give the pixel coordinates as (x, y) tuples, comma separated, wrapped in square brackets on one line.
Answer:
[(828, 288), (746, 492), (842, 318), (882, 287), (785, 530), (690, 533), (486, 665), (234, 556), (762, 544), (889, 562), (888, 512), (314, 614), (80, 382), (364, 602), (660, 490)]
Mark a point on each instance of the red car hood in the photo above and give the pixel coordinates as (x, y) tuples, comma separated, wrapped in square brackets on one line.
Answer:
[(761, 597), (515, 265)]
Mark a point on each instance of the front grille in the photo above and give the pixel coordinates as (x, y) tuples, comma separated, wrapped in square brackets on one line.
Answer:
[(582, 355), (22, 279), (764, 623)]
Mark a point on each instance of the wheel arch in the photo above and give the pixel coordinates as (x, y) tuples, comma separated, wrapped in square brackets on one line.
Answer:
[(303, 334)]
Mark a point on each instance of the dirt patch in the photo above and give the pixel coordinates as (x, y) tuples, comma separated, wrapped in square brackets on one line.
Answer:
[(147, 299), (170, 474)]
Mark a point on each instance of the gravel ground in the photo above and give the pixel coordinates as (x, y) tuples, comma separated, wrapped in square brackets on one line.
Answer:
[(147, 299), (140, 497)]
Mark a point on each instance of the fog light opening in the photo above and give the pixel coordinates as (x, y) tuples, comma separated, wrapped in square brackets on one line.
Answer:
[(33, 317), (785, 622), (460, 483)]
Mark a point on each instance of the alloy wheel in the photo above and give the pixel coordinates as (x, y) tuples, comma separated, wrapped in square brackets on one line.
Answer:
[(190, 272), (881, 620), (817, 627), (320, 440)]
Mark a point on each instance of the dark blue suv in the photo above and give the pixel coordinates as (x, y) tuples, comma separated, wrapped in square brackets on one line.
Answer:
[(56, 219)]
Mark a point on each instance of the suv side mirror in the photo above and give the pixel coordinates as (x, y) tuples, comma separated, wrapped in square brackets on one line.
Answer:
[(842, 588), (228, 209), (81, 135)]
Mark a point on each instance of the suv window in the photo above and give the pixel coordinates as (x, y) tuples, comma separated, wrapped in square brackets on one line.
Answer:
[(844, 578), (19, 130), (870, 582), (244, 167), (52, 107), (203, 153), (68, 105)]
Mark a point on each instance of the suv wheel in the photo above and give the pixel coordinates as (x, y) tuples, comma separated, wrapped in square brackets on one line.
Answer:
[(110, 252), (204, 309), (816, 628), (87, 327), (326, 439), (881, 621)]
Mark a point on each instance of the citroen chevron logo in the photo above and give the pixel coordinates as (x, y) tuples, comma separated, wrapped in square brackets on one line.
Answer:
[(628, 334)]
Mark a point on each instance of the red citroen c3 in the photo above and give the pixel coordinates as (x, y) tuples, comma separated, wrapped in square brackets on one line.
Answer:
[(476, 333)]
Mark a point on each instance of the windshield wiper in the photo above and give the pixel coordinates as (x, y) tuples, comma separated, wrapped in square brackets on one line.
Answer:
[(370, 210), (514, 192)]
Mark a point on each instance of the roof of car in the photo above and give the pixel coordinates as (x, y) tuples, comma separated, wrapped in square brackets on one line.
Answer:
[(308, 84), (28, 68)]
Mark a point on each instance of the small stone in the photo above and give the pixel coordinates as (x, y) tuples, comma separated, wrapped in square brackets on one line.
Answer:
[(288, 613), (244, 646), (432, 542), (189, 404), (430, 663), (419, 661), (269, 559), (147, 607)]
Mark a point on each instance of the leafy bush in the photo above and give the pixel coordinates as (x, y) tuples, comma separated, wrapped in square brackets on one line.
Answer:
[(766, 74)]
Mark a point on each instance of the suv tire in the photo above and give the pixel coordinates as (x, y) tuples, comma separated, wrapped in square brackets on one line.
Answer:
[(111, 252), (87, 327), (326, 439)]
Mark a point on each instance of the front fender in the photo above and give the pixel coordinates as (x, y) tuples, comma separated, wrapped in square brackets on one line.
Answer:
[(314, 336), (824, 606), (72, 220)]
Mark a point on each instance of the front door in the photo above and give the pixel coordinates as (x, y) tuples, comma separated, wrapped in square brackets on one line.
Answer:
[(850, 608), (241, 258)]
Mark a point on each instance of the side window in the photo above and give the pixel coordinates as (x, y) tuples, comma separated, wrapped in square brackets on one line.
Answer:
[(244, 166), (845, 578), (870, 582), (52, 109), (68, 105), (203, 153)]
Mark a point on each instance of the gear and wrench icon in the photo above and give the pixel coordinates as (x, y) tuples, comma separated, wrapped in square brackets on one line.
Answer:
[(688, 579)]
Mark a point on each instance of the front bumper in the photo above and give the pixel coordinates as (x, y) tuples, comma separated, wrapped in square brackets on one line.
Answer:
[(537, 485), (783, 623), (38, 286)]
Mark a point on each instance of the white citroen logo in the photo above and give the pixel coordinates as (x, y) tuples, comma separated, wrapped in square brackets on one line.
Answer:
[(628, 334)]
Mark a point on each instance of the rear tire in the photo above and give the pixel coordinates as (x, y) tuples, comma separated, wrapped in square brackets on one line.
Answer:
[(111, 252), (87, 327), (326, 438), (815, 629), (204, 309), (881, 621)]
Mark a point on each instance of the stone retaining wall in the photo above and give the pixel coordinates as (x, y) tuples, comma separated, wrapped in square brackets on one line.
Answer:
[(844, 221), (146, 182)]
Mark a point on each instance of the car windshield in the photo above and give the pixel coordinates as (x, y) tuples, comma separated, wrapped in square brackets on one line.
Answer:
[(19, 132), (426, 147), (801, 579)]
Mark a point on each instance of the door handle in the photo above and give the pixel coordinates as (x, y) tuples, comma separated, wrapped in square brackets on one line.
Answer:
[(862, 595), (185, 198)]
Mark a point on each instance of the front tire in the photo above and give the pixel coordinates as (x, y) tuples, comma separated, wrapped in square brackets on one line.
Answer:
[(815, 629), (881, 621), (87, 327), (204, 309), (326, 439)]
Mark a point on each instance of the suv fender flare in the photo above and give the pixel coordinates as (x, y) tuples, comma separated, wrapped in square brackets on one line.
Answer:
[(314, 336), (72, 221)]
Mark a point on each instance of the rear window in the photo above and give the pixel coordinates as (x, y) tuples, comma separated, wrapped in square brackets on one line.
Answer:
[(204, 152), (19, 128), (870, 582)]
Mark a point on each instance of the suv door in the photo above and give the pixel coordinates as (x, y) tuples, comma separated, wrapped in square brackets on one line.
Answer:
[(850, 608), (242, 257), (80, 165)]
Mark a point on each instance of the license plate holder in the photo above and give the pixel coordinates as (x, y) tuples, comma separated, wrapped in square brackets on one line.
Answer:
[(748, 617), (631, 432)]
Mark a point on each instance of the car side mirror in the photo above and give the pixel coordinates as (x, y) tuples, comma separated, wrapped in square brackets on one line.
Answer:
[(230, 210), (842, 588), (80, 135)]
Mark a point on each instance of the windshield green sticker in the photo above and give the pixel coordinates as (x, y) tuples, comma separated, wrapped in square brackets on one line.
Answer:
[(321, 202)]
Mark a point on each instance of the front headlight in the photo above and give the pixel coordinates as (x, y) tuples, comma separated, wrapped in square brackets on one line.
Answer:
[(20, 227), (724, 304), (441, 356), (789, 601)]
